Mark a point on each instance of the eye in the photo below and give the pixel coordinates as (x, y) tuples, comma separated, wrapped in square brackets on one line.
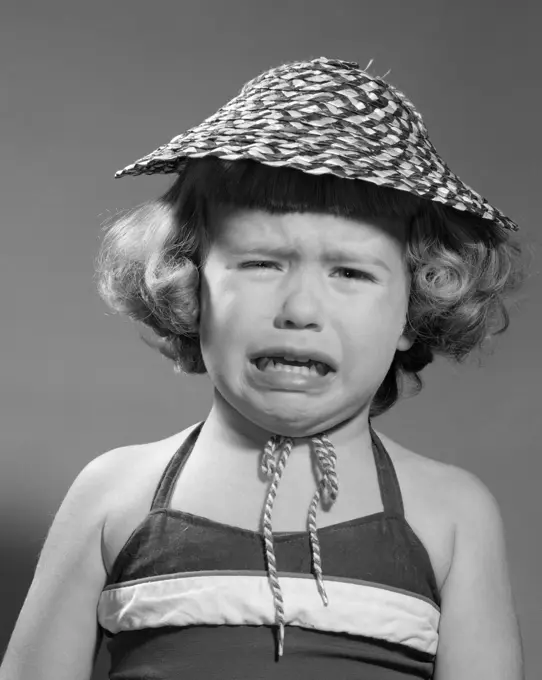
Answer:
[(258, 264), (357, 274)]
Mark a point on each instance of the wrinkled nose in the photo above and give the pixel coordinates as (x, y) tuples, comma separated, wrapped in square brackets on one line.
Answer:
[(302, 307)]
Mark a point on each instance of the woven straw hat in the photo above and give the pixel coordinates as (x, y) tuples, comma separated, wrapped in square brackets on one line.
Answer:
[(326, 116)]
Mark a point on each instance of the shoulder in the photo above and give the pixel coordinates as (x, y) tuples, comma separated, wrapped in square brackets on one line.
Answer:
[(443, 501), (132, 472), (410, 464), (452, 480), (470, 508), (477, 516), (467, 495), (144, 454)]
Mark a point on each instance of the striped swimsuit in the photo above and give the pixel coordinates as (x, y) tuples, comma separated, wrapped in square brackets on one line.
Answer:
[(189, 597)]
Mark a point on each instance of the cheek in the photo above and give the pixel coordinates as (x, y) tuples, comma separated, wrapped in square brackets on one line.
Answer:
[(369, 335), (227, 315)]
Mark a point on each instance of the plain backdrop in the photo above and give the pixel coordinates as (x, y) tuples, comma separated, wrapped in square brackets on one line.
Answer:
[(89, 87)]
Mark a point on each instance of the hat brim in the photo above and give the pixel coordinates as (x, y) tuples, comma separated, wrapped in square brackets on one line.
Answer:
[(418, 177)]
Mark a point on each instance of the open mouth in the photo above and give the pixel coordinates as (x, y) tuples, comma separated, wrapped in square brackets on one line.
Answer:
[(308, 367)]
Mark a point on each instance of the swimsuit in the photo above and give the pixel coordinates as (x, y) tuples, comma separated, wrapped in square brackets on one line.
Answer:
[(188, 597)]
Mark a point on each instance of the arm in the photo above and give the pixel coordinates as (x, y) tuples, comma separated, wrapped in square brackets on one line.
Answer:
[(57, 636), (479, 637)]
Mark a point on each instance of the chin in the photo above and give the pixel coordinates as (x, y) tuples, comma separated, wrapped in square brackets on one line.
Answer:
[(290, 424)]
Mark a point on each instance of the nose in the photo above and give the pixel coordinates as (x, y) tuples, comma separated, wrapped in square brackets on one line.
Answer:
[(302, 306)]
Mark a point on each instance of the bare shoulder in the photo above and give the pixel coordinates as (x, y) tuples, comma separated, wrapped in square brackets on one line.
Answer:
[(468, 496), (421, 467), (138, 460), (135, 471), (459, 490), (450, 484), (432, 493), (137, 468)]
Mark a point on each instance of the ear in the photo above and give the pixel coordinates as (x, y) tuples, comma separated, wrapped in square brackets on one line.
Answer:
[(404, 342)]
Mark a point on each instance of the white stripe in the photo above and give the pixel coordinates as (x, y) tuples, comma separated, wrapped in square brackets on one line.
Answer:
[(246, 599)]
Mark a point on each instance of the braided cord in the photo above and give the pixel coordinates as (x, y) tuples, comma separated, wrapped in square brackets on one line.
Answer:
[(328, 488), (274, 469)]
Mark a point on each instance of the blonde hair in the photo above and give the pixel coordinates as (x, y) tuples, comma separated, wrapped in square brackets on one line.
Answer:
[(462, 268)]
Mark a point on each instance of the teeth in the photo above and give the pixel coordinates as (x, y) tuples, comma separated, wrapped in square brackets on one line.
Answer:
[(262, 363), (289, 357), (275, 364)]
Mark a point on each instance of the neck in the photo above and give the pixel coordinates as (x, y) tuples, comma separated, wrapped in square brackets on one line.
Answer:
[(241, 438)]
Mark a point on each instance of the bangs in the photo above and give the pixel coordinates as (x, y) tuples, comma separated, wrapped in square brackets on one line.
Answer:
[(211, 182)]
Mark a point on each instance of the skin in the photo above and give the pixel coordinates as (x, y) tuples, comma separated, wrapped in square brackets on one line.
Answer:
[(302, 299)]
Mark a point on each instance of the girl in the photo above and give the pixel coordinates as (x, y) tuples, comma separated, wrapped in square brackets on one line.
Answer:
[(312, 251)]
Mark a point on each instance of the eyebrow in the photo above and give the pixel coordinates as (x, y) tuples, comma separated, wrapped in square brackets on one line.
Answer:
[(333, 255)]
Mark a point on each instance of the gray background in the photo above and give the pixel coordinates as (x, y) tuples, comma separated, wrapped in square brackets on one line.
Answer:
[(89, 87)]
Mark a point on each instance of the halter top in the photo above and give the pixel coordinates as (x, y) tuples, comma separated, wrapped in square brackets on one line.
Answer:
[(189, 597)]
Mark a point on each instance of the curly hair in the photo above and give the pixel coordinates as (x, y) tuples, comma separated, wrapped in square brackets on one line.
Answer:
[(462, 268)]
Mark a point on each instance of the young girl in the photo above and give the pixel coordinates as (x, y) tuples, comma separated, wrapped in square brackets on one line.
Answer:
[(312, 251)]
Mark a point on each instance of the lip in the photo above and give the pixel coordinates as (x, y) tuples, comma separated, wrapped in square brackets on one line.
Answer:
[(299, 354)]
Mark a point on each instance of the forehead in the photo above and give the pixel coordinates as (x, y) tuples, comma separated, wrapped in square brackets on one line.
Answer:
[(235, 226)]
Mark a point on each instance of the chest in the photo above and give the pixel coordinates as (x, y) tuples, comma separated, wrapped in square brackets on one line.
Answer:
[(233, 501)]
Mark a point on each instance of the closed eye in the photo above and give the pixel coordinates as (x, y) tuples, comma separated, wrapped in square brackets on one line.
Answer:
[(255, 263)]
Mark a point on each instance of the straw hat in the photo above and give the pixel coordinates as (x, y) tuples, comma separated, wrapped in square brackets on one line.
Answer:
[(326, 116)]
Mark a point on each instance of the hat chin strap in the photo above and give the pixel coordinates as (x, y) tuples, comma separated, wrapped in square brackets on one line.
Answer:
[(328, 488)]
